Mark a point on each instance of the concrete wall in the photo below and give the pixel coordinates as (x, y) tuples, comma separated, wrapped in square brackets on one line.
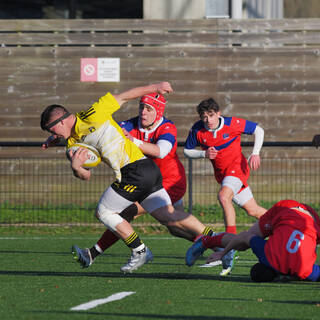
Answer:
[(263, 9), (198, 9), (177, 9)]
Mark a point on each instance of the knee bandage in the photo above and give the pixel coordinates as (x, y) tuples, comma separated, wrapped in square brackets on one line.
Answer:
[(108, 217)]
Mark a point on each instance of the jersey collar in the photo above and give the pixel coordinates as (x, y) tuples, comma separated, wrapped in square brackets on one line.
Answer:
[(215, 131), (153, 129)]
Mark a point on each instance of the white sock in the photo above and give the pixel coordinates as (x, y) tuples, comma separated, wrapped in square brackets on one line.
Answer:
[(98, 248), (141, 247)]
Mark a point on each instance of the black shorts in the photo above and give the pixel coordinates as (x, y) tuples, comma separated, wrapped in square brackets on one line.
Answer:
[(138, 180)]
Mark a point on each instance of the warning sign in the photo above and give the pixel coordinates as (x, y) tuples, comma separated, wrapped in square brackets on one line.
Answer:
[(100, 69)]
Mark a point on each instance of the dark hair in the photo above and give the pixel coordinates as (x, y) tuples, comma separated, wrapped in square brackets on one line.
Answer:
[(261, 273), (47, 113), (207, 105)]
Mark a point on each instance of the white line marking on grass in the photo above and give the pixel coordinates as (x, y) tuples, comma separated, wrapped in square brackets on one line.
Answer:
[(211, 264), (95, 303)]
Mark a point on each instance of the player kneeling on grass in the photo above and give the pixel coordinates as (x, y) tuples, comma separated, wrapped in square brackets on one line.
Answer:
[(293, 231), (137, 178)]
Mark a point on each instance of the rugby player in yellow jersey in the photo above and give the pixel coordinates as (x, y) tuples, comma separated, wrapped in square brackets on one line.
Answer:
[(96, 127)]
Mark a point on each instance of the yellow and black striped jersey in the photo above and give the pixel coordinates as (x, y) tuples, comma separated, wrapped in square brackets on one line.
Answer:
[(96, 127)]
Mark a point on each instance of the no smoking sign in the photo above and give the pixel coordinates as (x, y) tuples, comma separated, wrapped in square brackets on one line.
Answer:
[(100, 69)]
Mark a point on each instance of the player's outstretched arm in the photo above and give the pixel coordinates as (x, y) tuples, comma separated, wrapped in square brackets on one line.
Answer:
[(161, 87), (50, 142), (230, 241)]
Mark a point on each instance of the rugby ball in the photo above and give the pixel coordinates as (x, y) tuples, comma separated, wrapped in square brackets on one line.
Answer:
[(93, 154)]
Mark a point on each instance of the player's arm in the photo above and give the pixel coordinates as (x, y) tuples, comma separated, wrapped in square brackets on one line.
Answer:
[(160, 149), (210, 153), (51, 142), (191, 144), (254, 159), (77, 159), (190, 148), (194, 153), (239, 242), (161, 87)]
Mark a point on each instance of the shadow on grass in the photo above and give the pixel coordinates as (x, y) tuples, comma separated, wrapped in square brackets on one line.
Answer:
[(303, 285), (309, 302), (109, 315), (106, 254), (32, 252), (174, 276)]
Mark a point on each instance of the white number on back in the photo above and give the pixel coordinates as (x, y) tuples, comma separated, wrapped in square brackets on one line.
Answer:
[(294, 241)]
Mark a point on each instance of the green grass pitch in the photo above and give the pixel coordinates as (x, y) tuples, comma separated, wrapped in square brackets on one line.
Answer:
[(40, 280)]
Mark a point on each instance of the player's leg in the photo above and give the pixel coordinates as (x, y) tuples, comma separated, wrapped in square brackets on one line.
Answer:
[(111, 202), (203, 243), (179, 223), (186, 234), (86, 256), (228, 241), (176, 188), (176, 231), (230, 186), (109, 238), (139, 180), (225, 196), (184, 224), (223, 239), (245, 199), (178, 205), (253, 209)]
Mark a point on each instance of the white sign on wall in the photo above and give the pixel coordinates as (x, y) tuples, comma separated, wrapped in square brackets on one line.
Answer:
[(100, 69)]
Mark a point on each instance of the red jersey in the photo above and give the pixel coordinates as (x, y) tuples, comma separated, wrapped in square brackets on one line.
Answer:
[(293, 236), (227, 140), (172, 170)]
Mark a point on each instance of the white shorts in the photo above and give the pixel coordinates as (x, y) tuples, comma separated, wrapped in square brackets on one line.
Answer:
[(235, 184), (243, 197), (111, 200)]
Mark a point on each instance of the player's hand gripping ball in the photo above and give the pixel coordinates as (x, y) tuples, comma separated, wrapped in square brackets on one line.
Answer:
[(93, 154)]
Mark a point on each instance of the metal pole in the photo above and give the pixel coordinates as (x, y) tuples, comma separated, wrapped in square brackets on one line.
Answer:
[(73, 4), (190, 204), (236, 9)]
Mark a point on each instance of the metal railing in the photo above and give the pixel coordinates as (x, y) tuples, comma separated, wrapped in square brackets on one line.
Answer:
[(44, 191)]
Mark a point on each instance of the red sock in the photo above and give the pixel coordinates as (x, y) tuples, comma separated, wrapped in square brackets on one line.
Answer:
[(231, 229), (213, 241), (107, 240)]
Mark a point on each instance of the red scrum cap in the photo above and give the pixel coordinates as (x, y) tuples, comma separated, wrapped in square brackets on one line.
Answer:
[(156, 101)]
